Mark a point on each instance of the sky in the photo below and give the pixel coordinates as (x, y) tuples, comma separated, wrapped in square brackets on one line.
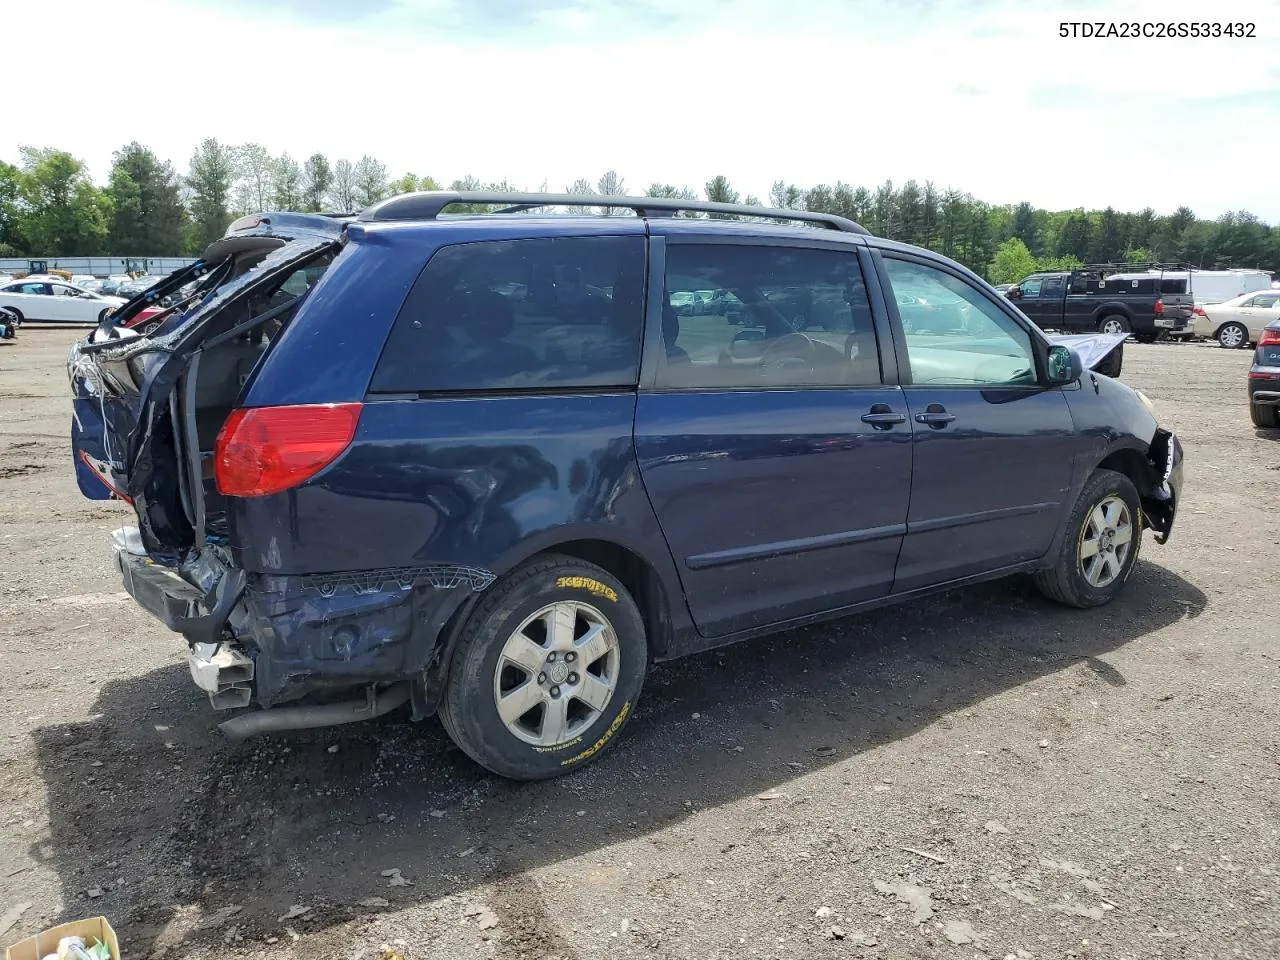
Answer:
[(982, 96)]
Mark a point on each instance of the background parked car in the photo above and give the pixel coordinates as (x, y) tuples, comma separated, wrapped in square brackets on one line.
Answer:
[(1264, 378), (55, 302), (112, 283), (1239, 322), (132, 288)]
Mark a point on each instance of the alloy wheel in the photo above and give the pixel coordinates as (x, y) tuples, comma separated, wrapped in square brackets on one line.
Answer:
[(1105, 542), (556, 673)]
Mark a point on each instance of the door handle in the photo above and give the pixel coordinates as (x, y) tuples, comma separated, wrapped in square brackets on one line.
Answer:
[(936, 416), (882, 418)]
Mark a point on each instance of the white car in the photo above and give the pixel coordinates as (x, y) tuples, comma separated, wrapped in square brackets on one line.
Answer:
[(1239, 321), (55, 301)]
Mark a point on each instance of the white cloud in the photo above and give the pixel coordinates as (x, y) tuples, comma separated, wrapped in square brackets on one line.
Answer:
[(985, 97)]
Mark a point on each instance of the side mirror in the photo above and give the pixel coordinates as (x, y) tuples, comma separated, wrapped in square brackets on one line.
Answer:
[(1014, 293), (1064, 365), (747, 345)]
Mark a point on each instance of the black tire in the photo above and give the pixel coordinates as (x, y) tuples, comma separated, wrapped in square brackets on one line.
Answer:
[(1264, 415), (1226, 340), (469, 710), (17, 315), (1065, 582), (1117, 320)]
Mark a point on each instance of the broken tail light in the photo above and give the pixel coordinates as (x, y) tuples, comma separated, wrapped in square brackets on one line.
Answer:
[(263, 450)]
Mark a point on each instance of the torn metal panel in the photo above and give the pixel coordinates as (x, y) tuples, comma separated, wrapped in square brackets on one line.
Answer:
[(440, 576), (332, 631)]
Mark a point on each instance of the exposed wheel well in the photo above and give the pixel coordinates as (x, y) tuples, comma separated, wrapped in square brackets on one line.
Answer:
[(1133, 465), (640, 579)]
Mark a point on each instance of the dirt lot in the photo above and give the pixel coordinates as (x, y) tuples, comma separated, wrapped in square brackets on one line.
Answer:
[(980, 775)]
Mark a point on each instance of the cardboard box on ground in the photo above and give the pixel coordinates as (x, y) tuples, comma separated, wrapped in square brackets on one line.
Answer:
[(91, 931)]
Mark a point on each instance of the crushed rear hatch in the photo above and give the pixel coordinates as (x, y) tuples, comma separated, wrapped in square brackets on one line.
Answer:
[(128, 413)]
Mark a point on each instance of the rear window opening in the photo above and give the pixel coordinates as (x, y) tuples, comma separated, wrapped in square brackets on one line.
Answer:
[(233, 341), (239, 341)]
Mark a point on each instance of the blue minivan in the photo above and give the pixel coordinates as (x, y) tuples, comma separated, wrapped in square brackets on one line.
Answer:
[(461, 451)]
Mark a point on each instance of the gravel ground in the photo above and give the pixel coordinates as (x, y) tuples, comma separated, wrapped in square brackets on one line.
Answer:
[(978, 775)]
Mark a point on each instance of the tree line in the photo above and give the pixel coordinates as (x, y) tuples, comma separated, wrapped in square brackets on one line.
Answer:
[(49, 206)]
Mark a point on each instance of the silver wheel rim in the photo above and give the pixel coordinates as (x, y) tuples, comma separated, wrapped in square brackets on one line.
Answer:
[(556, 674), (1112, 326), (1105, 542), (1230, 337)]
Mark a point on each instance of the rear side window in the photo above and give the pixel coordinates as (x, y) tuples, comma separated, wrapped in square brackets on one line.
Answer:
[(520, 314)]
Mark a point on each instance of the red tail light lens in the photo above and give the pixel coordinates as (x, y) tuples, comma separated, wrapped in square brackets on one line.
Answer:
[(263, 450), (1199, 311), (1159, 307), (1269, 337)]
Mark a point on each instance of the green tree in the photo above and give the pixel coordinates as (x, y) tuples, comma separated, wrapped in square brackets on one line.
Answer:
[(820, 199), (254, 168), (406, 184), (786, 196), (883, 219), (671, 191), (1075, 238), (10, 210), (1108, 240), (719, 191), (147, 216), (908, 213), (63, 213), (611, 185), (1024, 228), (210, 179), (286, 183), (1012, 262), (429, 183), (317, 178), (371, 181), (343, 190)]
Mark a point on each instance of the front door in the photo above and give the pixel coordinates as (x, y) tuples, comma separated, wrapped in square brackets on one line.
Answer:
[(993, 448), (778, 461)]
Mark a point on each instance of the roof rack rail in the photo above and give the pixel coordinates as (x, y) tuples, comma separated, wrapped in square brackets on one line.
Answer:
[(1135, 267), (428, 205)]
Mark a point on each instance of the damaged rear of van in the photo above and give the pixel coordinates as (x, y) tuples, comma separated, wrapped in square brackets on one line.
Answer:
[(179, 425)]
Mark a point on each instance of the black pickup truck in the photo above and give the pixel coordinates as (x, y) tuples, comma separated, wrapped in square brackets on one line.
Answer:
[(1108, 298)]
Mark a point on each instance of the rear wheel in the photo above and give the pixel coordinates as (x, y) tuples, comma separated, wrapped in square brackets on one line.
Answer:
[(1264, 415), (1233, 336), (1114, 323), (1101, 545), (547, 671)]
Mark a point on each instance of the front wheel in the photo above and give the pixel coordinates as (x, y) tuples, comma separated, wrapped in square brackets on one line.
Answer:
[(547, 671), (1233, 336), (1101, 545)]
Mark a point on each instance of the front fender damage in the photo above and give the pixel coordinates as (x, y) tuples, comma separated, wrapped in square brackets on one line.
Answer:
[(1160, 498)]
